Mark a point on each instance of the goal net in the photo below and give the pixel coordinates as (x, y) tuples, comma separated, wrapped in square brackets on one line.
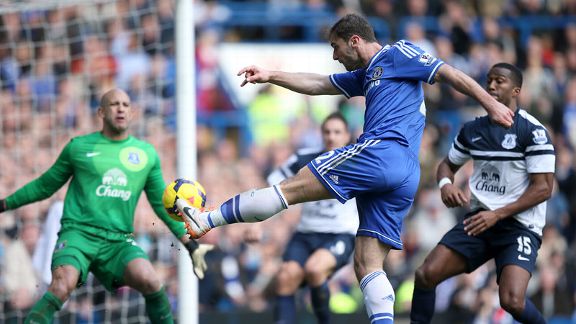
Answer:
[(56, 59)]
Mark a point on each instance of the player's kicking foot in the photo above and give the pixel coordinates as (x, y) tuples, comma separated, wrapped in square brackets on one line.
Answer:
[(195, 226)]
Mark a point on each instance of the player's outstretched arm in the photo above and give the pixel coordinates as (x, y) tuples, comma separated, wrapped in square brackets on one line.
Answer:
[(306, 83), (197, 254), (499, 113)]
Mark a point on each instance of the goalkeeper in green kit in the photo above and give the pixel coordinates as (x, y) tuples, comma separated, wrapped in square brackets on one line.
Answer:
[(108, 171)]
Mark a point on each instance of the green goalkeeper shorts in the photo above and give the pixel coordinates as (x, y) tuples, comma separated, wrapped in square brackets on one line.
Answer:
[(106, 254)]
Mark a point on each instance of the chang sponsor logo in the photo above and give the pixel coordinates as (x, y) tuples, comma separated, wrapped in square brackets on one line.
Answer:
[(489, 187), (112, 185), (490, 181)]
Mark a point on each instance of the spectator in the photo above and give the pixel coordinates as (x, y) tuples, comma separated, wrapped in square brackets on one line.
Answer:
[(20, 279), (552, 297), (132, 63)]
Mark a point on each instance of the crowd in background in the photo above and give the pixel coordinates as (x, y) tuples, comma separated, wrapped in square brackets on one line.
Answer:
[(55, 63)]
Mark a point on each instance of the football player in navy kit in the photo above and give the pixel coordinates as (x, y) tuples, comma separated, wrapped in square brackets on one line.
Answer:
[(512, 179)]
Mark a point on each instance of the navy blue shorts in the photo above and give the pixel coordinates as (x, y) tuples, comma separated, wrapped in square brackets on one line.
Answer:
[(383, 175), (302, 245), (508, 242)]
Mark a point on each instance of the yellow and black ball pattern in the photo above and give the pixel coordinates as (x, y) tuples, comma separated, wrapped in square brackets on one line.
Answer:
[(190, 190)]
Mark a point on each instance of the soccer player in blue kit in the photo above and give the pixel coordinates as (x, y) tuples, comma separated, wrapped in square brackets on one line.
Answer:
[(381, 170), (324, 238), (512, 179)]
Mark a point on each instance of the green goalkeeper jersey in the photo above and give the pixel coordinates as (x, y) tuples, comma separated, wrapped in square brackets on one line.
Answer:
[(107, 180)]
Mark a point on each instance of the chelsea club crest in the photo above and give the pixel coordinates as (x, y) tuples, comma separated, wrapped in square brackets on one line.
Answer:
[(509, 141), (377, 73)]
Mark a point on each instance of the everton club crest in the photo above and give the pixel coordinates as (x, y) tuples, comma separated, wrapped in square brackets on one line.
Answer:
[(509, 141), (133, 157)]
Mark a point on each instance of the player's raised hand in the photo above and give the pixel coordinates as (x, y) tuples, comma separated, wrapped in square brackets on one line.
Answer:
[(452, 196), (480, 222), (254, 74), (197, 254), (500, 114)]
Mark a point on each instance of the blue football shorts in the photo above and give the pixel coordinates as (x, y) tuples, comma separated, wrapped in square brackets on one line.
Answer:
[(507, 242), (302, 245), (382, 175)]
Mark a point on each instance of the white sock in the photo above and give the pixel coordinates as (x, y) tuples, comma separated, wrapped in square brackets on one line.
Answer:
[(251, 206), (378, 297)]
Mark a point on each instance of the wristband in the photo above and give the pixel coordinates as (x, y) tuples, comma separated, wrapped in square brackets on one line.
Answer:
[(191, 245), (444, 181)]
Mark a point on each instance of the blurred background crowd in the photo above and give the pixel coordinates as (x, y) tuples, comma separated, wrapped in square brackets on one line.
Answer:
[(57, 59)]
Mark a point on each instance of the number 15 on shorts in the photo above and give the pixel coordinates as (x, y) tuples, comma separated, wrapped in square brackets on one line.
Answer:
[(524, 246)]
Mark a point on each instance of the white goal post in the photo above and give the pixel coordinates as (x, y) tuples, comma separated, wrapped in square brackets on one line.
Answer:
[(186, 145)]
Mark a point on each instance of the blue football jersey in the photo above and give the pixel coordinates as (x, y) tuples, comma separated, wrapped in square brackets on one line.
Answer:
[(392, 86)]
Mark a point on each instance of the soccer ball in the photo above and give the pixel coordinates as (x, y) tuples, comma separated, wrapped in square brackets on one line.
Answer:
[(190, 190)]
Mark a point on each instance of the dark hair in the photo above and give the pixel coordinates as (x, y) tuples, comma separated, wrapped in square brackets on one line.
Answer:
[(353, 24), (515, 73), (335, 115)]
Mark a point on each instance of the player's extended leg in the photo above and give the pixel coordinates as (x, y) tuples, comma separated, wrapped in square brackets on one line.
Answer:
[(140, 275), (440, 264), (369, 258), (64, 281), (255, 205), (318, 269), (288, 281), (512, 291)]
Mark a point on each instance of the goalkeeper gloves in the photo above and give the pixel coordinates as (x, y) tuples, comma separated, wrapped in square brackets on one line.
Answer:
[(197, 253)]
